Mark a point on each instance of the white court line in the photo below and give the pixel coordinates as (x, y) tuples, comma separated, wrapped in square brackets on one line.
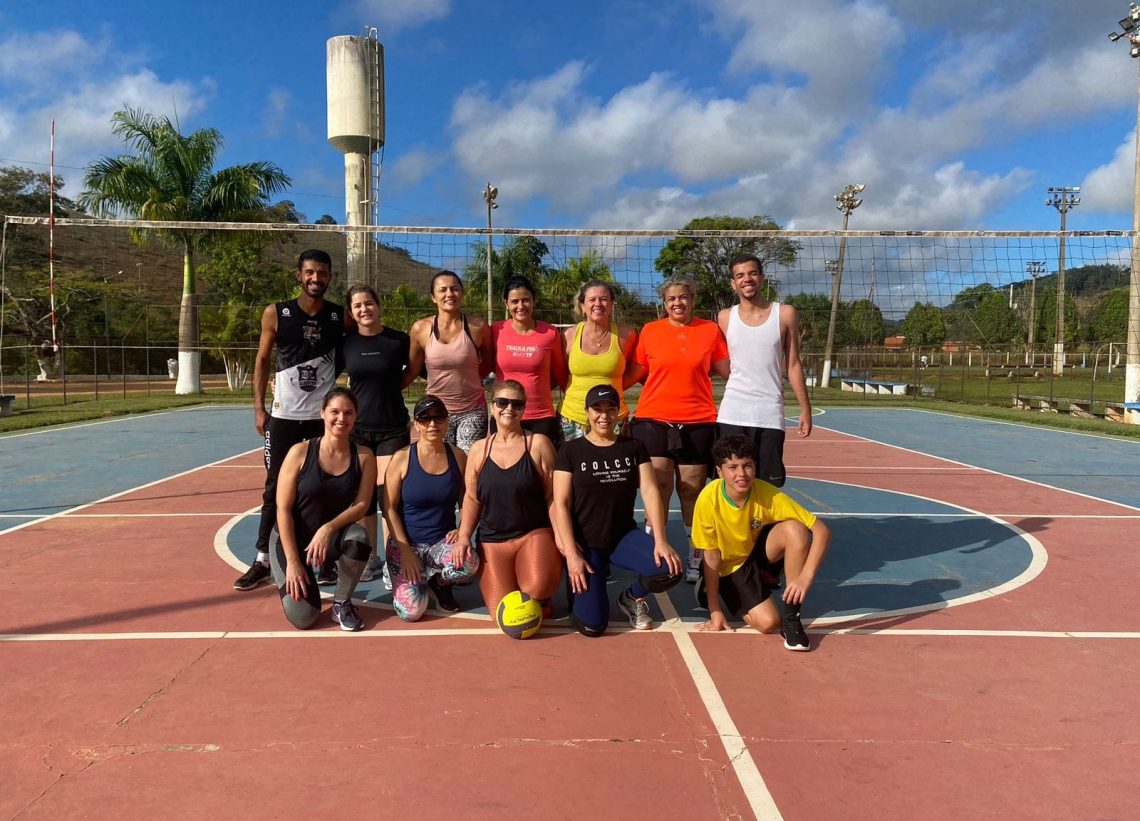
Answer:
[(93, 423), (963, 515), (679, 629), (747, 773), (71, 511), (145, 515), (1107, 436), (985, 470)]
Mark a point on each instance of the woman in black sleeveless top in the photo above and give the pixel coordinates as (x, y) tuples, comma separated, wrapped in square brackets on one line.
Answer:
[(323, 491), (508, 495)]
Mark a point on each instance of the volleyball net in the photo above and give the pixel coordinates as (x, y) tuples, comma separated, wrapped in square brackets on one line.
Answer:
[(904, 298)]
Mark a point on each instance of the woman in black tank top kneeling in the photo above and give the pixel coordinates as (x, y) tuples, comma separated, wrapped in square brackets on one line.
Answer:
[(323, 490), (508, 495)]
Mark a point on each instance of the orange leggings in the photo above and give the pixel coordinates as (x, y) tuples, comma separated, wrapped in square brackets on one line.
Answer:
[(531, 563)]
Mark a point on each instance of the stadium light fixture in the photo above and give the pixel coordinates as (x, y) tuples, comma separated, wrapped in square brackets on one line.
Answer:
[(490, 194), (846, 201), (1131, 27)]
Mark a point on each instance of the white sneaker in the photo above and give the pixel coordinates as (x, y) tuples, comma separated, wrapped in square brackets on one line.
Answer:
[(694, 568), (637, 610)]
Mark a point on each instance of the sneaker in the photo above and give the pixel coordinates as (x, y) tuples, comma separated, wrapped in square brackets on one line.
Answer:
[(327, 575), (387, 575), (442, 596), (795, 637), (701, 594), (694, 569), (637, 610), (344, 613), (372, 570), (257, 574)]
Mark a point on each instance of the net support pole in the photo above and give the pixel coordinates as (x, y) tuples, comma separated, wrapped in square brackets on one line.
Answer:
[(1132, 360)]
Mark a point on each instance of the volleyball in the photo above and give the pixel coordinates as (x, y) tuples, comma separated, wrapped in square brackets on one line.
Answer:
[(519, 616)]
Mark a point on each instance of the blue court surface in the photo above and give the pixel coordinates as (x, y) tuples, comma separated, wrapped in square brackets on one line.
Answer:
[(1106, 467)]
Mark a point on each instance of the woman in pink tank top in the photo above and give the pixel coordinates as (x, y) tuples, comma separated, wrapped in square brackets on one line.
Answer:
[(530, 353), (457, 354)]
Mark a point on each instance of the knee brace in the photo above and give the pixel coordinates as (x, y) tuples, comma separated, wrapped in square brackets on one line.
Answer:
[(659, 583)]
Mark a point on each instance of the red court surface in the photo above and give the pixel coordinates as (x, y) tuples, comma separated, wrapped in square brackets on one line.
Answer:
[(137, 684)]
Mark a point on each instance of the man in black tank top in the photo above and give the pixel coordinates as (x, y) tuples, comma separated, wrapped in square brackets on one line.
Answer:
[(307, 333)]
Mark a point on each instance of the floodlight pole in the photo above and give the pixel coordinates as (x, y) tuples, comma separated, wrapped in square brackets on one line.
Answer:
[(490, 193), (1131, 27), (1034, 268), (846, 201), (1064, 199)]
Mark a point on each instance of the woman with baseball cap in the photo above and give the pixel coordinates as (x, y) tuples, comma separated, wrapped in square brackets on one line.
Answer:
[(424, 482), (596, 481)]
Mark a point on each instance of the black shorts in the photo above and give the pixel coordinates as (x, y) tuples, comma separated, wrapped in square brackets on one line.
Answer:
[(548, 426), (751, 583), (769, 451), (383, 442), (684, 444)]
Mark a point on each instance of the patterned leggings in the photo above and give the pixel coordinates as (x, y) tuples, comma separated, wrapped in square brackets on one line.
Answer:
[(467, 428), (410, 600)]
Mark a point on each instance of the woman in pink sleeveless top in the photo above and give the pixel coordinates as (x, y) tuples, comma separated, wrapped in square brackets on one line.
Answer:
[(457, 353), (530, 353)]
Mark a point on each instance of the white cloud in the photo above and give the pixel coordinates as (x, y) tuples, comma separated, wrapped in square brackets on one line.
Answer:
[(89, 81), (391, 15), (411, 167), (1109, 187)]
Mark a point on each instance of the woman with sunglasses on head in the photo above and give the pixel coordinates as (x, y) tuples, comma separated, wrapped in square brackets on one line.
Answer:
[(596, 481), (322, 492), (508, 496), (375, 357), (530, 353), (676, 415), (457, 354), (598, 351), (424, 482)]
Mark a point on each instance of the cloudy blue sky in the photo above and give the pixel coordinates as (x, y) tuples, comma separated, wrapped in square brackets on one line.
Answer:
[(630, 113)]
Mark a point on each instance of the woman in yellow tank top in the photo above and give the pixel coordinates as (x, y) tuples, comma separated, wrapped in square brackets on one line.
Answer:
[(597, 351)]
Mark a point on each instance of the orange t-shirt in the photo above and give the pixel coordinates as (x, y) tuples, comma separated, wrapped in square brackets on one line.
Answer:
[(678, 388)]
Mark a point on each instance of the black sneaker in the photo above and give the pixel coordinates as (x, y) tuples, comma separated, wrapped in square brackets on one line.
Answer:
[(327, 576), (442, 596), (257, 574), (344, 614), (795, 637)]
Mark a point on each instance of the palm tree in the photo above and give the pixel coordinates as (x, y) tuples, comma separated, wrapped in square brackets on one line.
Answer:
[(171, 177)]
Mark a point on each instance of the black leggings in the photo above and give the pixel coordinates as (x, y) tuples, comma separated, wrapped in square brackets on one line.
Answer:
[(280, 435), (350, 551)]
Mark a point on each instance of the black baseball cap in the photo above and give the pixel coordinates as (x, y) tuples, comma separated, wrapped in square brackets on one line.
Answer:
[(602, 393), (430, 405)]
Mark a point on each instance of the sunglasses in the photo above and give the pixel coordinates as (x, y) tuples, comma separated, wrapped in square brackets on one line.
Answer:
[(502, 403), (428, 418)]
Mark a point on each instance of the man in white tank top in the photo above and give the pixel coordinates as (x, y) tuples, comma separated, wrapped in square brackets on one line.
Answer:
[(763, 341)]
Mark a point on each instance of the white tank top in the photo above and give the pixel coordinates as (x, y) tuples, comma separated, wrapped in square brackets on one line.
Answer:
[(754, 394)]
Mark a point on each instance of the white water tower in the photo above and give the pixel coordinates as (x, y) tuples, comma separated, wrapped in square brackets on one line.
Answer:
[(355, 79)]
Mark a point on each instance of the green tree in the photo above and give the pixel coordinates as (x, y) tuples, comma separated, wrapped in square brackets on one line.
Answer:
[(240, 281), (864, 325), (1047, 317), (706, 259), (813, 312), (994, 320), (171, 177), (559, 288), (404, 305), (923, 326), (1108, 321), (968, 299), (519, 256)]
